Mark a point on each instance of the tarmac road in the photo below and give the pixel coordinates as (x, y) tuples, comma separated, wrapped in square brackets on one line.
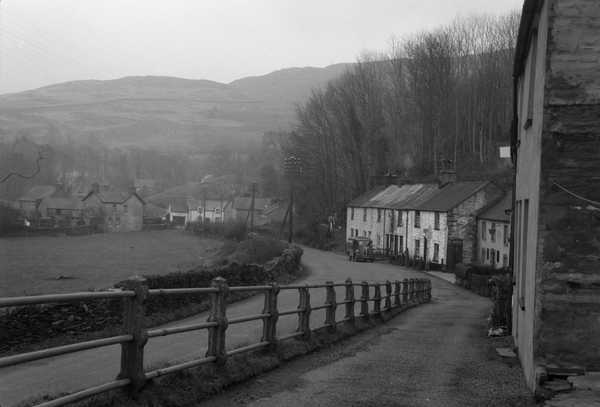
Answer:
[(72, 372), (436, 354)]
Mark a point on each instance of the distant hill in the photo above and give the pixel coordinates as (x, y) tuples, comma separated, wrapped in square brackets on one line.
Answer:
[(161, 112)]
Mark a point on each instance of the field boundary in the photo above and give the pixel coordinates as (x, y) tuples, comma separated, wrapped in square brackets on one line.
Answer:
[(398, 296)]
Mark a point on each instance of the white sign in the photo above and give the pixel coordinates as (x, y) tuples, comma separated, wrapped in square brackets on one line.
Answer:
[(505, 152)]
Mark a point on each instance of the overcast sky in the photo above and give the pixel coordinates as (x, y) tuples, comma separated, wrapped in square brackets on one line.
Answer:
[(49, 41)]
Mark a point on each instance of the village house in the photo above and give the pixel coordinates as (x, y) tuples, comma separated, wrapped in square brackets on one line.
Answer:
[(424, 221), (493, 234), (29, 202), (556, 300), (183, 211), (120, 211)]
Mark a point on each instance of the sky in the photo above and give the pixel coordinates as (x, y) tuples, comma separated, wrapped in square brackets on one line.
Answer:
[(49, 41)]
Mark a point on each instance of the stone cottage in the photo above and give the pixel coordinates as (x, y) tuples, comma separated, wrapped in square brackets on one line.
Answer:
[(556, 151), (425, 221), (493, 234), (119, 211)]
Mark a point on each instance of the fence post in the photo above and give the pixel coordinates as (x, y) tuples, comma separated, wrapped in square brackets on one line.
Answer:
[(364, 300), (304, 315), (270, 322), (331, 302), (411, 289), (132, 353), (428, 290), (397, 293), (218, 309), (388, 295), (405, 291), (349, 301), (377, 300)]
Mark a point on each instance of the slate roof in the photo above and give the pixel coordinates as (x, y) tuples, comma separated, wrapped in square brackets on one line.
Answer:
[(408, 196), (63, 202), (113, 196), (424, 197), (38, 192), (497, 211), (244, 203), (451, 196)]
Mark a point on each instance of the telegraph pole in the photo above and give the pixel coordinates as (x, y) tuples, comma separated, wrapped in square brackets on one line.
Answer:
[(252, 207), (293, 169)]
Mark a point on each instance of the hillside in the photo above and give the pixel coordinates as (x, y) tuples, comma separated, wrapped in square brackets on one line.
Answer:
[(161, 112)]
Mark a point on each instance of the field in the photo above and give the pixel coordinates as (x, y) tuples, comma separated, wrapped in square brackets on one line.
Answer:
[(49, 264)]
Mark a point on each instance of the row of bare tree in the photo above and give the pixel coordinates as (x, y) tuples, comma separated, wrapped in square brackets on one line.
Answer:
[(437, 96)]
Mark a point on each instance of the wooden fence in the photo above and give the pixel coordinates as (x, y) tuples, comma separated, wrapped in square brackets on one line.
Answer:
[(134, 336)]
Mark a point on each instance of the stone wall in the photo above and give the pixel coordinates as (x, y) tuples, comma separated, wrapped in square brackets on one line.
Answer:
[(568, 293), (462, 220), (23, 327)]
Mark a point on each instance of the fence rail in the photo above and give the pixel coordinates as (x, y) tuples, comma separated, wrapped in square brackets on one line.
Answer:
[(134, 335)]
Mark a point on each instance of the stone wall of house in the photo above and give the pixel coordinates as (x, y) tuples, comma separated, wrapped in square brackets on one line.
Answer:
[(462, 220), (568, 273)]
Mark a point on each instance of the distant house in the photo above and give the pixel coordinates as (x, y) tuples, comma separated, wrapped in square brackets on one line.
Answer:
[(178, 212), (555, 149), (423, 221), (120, 211), (242, 206), (29, 203), (211, 210), (493, 233), (67, 210)]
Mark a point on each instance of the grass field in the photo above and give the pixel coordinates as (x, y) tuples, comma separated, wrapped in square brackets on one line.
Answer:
[(36, 265)]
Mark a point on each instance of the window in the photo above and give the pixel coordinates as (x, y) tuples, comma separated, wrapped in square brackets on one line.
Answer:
[(483, 231), (364, 214), (506, 237), (125, 208), (400, 243), (399, 218), (351, 213), (482, 259), (497, 256), (114, 207), (417, 219), (436, 221), (493, 232), (378, 215), (392, 222), (417, 247), (364, 233), (523, 255), (504, 260), (532, 67), (369, 234), (436, 252), (487, 254)]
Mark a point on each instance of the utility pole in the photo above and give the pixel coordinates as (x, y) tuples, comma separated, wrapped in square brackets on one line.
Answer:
[(291, 211), (293, 169), (252, 207), (204, 206)]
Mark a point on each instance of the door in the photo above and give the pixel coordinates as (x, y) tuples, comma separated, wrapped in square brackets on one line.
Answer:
[(455, 253)]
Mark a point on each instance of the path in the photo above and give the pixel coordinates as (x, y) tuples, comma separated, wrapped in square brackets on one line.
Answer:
[(68, 373), (434, 355)]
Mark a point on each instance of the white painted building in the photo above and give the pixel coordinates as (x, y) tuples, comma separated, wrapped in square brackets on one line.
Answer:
[(422, 221), (493, 234)]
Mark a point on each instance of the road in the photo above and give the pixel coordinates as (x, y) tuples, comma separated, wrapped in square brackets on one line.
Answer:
[(68, 373), (435, 355)]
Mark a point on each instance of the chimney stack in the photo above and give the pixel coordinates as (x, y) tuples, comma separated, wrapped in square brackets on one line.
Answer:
[(446, 177)]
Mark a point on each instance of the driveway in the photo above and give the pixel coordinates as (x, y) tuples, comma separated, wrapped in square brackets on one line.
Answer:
[(68, 373)]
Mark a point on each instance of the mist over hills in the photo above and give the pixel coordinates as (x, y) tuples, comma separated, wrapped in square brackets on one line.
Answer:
[(164, 113)]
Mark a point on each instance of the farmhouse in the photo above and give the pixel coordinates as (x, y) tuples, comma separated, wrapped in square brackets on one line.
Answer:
[(493, 233), (120, 211), (556, 301), (422, 221), (29, 203), (65, 209)]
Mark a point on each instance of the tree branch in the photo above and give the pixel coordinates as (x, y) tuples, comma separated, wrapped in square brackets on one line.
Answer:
[(40, 157)]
